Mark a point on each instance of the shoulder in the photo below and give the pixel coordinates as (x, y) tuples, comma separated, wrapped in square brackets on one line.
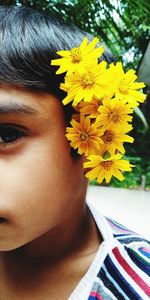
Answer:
[(126, 236), (131, 257), (125, 270), (134, 247)]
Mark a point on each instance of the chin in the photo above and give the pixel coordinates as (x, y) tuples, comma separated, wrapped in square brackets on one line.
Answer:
[(8, 243)]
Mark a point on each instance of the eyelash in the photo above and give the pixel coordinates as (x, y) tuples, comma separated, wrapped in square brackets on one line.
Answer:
[(10, 134)]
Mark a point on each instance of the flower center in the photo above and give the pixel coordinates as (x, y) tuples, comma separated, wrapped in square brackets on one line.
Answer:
[(114, 117), (108, 137), (87, 79), (76, 55), (107, 164), (100, 102), (84, 136)]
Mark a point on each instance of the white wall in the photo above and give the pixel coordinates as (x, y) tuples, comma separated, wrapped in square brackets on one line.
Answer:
[(128, 207)]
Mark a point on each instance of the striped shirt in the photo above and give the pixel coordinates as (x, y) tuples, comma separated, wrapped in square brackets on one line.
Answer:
[(121, 267)]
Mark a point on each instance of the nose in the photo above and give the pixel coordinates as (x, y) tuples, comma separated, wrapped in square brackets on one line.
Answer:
[(5, 211)]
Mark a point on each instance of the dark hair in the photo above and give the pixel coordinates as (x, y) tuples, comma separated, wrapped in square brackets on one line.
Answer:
[(28, 41)]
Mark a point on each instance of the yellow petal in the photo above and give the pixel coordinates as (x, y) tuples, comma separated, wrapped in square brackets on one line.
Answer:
[(118, 174), (64, 53)]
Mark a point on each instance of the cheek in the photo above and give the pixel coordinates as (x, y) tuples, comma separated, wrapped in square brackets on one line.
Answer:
[(33, 191)]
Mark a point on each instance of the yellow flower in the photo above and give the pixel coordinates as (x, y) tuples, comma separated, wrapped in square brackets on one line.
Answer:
[(84, 136), (106, 168), (126, 87), (114, 138), (114, 113), (77, 59), (90, 108), (92, 83), (76, 117)]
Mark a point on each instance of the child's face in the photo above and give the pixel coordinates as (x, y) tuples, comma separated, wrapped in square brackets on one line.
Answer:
[(40, 184)]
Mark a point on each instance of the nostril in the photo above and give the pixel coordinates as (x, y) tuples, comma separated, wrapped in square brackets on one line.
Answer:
[(2, 220)]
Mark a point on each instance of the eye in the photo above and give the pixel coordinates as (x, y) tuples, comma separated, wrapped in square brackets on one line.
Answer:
[(10, 133)]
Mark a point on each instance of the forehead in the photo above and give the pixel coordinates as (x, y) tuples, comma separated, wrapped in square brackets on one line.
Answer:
[(19, 100)]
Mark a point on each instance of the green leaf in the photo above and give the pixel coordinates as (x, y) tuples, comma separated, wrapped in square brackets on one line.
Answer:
[(140, 114)]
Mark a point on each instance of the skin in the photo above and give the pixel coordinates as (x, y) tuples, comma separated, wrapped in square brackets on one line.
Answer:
[(47, 234)]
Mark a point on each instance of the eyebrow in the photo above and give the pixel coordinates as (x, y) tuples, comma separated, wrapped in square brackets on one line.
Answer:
[(16, 108)]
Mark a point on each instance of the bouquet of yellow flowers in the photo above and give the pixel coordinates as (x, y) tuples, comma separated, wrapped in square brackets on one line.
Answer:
[(104, 97)]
